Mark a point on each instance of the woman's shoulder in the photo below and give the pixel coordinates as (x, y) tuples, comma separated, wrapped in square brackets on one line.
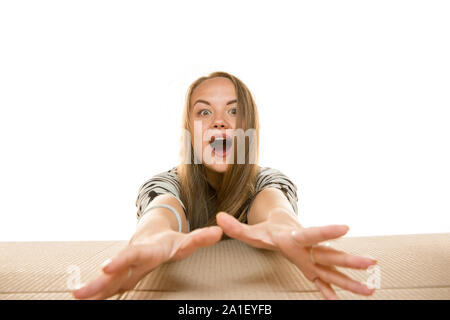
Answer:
[(165, 182), (270, 175), (267, 172), (164, 177), (168, 173)]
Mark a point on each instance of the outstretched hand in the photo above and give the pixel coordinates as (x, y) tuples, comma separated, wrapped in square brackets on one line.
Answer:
[(129, 266), (281, 232)]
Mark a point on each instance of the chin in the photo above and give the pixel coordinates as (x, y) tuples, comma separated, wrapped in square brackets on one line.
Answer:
[(217, 167)]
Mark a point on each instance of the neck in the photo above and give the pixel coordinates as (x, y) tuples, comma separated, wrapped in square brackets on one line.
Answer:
[(214, 178)]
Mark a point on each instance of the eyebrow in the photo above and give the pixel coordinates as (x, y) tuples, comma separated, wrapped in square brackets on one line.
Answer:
[(206, 102)]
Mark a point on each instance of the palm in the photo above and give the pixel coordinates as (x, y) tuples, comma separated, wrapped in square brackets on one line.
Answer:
[(138, 259), (276, 234)]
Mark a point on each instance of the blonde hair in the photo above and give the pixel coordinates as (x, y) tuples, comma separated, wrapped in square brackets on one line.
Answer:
[(238, 184)]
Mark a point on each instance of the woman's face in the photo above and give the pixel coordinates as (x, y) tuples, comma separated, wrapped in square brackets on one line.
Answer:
[(214, 113)]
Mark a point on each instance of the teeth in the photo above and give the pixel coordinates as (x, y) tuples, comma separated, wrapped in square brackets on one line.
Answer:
[(217, 139)]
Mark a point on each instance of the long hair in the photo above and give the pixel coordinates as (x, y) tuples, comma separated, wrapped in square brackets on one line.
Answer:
[(238, 183)]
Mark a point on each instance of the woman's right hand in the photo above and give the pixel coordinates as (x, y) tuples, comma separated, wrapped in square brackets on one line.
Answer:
[(141, 256)]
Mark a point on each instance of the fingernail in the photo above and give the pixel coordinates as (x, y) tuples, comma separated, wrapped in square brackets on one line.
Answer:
[(367, 289), (370, 259), (78, 286), (106, 263), (294, 235)]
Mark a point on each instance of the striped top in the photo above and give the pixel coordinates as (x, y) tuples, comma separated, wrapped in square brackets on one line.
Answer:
[(167, 182)]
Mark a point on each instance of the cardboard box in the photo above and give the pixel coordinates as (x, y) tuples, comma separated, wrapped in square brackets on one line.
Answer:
[(409, 267)]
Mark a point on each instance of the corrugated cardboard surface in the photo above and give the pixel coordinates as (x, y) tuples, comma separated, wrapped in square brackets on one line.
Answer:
[(410, 267)]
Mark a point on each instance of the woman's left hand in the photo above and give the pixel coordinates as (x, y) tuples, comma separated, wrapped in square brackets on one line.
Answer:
[(276, 234)]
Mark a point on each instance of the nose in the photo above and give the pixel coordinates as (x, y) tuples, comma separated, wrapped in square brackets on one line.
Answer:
[(219, 123)]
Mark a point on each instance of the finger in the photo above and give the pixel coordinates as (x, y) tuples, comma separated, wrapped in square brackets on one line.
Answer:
[(199, 238), (254, 235), (333, 276), (327, 291), (123, 260), (92, 288), (313, 235), (231, 226), (330, 257), (207, 237), (111, 289)]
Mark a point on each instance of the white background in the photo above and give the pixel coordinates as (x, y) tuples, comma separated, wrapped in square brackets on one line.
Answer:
[(354, 100)]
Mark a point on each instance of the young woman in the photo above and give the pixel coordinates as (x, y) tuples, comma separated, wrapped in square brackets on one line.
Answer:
[(215, 194)]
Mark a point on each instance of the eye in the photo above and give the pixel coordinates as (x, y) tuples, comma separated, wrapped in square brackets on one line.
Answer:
[(234, 109), (202, 113)]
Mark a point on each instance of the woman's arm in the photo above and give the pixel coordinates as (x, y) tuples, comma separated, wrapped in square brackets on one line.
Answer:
[(160, 219), (267, 201), (155, 242), (272, 224)]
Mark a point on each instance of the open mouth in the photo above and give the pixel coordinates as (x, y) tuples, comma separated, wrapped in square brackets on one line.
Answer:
[(221, 145)]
